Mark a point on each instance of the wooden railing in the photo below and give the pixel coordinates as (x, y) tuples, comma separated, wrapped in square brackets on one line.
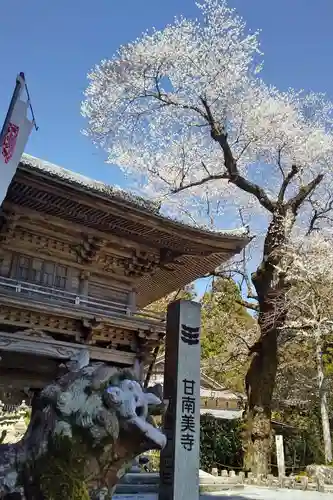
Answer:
[(42, 294)]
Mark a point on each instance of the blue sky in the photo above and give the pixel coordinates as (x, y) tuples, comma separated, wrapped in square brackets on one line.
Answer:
[(57, 42)]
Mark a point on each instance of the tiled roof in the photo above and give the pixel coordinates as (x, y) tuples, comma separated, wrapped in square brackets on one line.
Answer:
[(113, 193), (85, 183)]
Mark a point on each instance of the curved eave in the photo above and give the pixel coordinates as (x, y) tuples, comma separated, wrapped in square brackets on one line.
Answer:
[(187, 269), (134, 206)]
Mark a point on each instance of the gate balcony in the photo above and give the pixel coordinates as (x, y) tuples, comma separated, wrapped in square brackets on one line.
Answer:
[(37, 295)]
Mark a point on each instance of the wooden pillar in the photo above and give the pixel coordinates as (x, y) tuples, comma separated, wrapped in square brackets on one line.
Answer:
[(84, 283), (179, 466), (131, 302)]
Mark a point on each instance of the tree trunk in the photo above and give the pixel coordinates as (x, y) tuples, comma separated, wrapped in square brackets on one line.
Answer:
[(261, 376), (325, 422), (260, 382)]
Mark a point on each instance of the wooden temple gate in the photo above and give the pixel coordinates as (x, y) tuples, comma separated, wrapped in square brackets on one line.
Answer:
[(79, 260)]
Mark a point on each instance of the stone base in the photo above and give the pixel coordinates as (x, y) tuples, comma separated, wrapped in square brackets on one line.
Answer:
[(321, 471)]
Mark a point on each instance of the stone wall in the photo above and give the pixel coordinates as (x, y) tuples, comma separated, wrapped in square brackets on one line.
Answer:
[(314, 483), (325, 471)]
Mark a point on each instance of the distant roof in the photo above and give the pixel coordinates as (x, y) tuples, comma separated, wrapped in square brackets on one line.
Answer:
[(215, 390), (205, 380), (217, 394), (114, 193), (223, 414)]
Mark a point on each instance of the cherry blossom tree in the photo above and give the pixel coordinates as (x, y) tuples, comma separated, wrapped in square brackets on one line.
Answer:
[(308, 267), (184, 113)]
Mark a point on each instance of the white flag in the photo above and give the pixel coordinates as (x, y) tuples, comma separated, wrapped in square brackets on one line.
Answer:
[(13, 145)]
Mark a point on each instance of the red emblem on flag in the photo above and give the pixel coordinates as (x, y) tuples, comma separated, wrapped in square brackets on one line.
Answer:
[(9, 143)]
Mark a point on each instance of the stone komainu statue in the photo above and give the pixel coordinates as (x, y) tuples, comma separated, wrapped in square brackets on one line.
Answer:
[(85, 429)]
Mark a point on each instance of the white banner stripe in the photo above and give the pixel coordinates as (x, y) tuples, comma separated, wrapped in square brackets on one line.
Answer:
[(13, 146)]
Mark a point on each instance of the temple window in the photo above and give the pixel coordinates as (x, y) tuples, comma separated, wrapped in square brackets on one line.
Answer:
[(61, 277), (23, 268), (36, 271), (41, 272), (48, 273)]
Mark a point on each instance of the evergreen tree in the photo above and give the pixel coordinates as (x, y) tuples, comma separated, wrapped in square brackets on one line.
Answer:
[(227, 332), (161, 305)]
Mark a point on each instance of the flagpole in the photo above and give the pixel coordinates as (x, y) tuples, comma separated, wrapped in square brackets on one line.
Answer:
[(20, 83)]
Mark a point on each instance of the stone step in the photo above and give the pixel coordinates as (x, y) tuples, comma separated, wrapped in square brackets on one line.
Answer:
[(154, 477), (142, 489), (140, 478), (142, 483), (132, 489)]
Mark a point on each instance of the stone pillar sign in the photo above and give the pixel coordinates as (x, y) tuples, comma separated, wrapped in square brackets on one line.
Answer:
[(280, 455), (179, 467)]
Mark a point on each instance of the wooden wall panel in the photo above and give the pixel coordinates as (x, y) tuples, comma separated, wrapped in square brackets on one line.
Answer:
[(73, 280), (6, 264), (100, 291)]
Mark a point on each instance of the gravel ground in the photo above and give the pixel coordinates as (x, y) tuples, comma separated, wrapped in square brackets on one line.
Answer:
[(252, 493), (249, 493)]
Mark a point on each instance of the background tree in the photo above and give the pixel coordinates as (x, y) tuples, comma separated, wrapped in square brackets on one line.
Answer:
[(182, 109), (159, 307), (296, 380), (308, 267), (296, 398), (220, 443), (227, 332)]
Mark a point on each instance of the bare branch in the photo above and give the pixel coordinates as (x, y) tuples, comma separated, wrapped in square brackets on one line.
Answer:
[(246, 278), (247, 304), (165, 98), (202, 181), (220, 136), (239, 337), (320, 214), (286, 181), (279, 162), (304, 192), (205, 167)]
